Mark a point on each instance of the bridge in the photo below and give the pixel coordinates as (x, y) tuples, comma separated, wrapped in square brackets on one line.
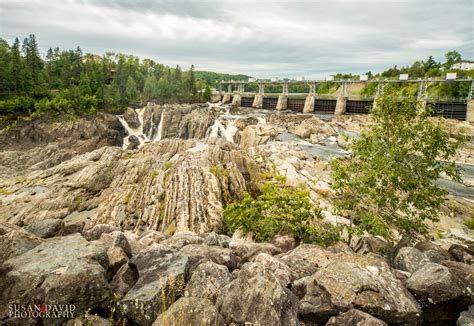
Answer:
[(238, 94)]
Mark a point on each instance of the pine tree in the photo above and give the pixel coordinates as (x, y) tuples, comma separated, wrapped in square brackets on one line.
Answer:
[(150, 90), (132, 95), (16, 67)]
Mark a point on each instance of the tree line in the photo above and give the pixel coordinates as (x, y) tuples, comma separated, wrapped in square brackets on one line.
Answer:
[(72, 82)]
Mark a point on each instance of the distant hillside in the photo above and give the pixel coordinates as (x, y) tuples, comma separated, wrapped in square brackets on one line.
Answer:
[(213, 78)]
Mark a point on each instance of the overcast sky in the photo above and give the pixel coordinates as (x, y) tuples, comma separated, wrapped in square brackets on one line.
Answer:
[(259, 38)]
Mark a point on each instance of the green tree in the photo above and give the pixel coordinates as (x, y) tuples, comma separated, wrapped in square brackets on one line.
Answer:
[(451, 58), (132, 95), (150, 90), (85, 85), (389, 183), (207, 93), (16, 67)]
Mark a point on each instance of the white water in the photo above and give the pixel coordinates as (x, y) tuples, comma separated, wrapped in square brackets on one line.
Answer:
[(223, 127), (138, 132)]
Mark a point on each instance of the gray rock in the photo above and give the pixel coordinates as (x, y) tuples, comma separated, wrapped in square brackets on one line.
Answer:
[(181, 239), (57, 271), (248, 250), (467, 317), (17, 242), (207, 281), (214, 239), (116, 239), (409, 259), (434, 283), (124, 279), (190, 311), (72, 227), (374, 245), (152, 236), (46, 228), (433, 252), (198, 253), (7, 227), (462, 253), (284, 273), (355, 317), (256, 296), (340, 247), (463, 271), (306, 259), (368, 284), (161, 282), (131, 117), (117, 258), (314, 304), (95, 232), (133, 142), (285, 242)]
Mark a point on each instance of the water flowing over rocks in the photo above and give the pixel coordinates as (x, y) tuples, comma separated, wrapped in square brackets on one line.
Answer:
[(122, 216)]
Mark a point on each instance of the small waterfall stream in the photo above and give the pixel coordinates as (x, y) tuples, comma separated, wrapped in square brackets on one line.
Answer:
[(138, 132)]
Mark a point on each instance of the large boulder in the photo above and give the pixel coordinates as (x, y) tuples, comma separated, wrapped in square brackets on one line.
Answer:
[(96, 231), (355, 317), (256, 296), (47, 228), (368, 284), (462, 253), (61, 270), (409, 259), (463, 271), (198, 253), (162, 280), (207, 281), (433, 252), (315, 304), (442, 293), (131, 117), (17, 242), (434, 283), (124, 279), (190, 311), (306, 259), (278, 268)]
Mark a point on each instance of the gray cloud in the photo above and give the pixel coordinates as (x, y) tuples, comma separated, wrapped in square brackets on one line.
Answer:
[(264, 39)]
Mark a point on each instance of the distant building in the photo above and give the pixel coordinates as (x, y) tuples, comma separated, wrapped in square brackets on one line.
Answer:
[(464, 65)]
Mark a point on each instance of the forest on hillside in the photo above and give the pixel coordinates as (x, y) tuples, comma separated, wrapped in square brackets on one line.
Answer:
[(72, 82)]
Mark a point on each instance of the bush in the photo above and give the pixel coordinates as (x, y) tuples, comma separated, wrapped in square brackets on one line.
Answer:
[(16, 105), (279, 208), (470, 223), (389, 182)]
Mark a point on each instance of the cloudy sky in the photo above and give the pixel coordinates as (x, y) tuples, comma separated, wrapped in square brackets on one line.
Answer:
[(259, 38)]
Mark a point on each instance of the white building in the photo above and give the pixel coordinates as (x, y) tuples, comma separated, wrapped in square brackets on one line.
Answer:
[(464, 65)]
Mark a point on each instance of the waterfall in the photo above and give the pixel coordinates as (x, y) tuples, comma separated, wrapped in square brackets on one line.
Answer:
[(223, 128), (138, 132), (160, 128)]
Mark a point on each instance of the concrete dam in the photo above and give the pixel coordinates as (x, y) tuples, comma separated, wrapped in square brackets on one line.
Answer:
[(343, 103)]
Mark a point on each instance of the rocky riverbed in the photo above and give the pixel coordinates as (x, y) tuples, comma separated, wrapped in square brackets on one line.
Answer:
[(122, 217)]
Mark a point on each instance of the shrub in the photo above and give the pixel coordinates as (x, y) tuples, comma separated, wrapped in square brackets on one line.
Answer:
[(279, 208), (470, 223), (389, 182)]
